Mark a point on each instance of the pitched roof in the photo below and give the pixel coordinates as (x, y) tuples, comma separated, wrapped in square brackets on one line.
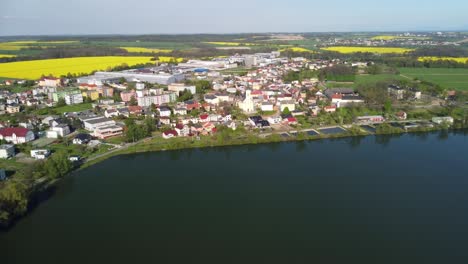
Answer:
[(18, 131)]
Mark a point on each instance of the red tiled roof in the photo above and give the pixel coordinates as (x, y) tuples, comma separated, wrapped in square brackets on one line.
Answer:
[(18, 131), (135, 108), (205, 116), (171, 132)]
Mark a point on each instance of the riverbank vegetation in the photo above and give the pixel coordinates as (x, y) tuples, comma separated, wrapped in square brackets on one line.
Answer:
[(17, 195)]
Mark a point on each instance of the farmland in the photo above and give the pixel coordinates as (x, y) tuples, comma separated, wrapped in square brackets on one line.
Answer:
[(372, 79), (459, 60), (389, 37), (378, 50), (145, 50), (298, 49), (7, 56), (453, 79), (166, 59), (230, 44), (58, 67)]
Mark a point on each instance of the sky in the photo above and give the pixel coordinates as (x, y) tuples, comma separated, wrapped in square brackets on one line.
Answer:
[(78, 17)]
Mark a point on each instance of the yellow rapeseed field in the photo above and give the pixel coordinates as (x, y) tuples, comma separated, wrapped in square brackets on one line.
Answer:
[(298, 49), (379, 50), (170, 59), (7, 56), (384, 38), (147, 50), (17, 45), (35, 69), (230, 43), (398, 37), (459, 60)]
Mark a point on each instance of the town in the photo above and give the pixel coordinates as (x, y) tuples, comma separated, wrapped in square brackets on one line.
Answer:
[(108, 110), (54, 125)]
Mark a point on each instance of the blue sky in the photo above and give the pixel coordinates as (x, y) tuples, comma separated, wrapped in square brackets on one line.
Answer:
[(36, 17)]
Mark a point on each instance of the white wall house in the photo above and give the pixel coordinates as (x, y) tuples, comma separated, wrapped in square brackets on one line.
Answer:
[(16, 135), (40, 154), (7, 151)]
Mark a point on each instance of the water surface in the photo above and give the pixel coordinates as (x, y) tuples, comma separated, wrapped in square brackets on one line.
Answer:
[(401, 199)]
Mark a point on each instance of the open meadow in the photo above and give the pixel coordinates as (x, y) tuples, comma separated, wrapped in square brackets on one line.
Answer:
[(378, 50), (453, 79)]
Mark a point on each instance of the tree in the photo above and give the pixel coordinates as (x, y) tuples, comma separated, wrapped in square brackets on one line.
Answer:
[(185, 96), (61, 102), (116, 96), (286, 111), (133, 101), (374, 69)]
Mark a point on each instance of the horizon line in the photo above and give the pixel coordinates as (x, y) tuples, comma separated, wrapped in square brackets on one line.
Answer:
[(235, 33)]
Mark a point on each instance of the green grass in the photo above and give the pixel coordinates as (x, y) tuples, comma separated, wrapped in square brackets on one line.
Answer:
[(143, 44), (366, 79), (452, 79), (74, 108)]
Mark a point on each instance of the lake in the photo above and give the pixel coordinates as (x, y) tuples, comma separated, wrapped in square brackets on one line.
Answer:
[(384, 199)]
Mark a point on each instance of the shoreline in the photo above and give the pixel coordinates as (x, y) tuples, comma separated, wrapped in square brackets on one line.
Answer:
[(46, 189), (134, 149)]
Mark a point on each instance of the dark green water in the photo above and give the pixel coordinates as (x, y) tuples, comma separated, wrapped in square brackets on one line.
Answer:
[(397, 199)]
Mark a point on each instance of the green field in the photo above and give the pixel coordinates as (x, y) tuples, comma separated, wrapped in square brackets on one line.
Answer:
[(364, 79), (74, 108), (453, 79)]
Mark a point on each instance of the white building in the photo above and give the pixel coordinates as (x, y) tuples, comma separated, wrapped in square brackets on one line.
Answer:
[(73, 98), (248, 104), (180, 87), (291, 105), (40, 154), (58, 131), (267, 107), (92, 123), (7, 151), (443, 120), (16, 135)]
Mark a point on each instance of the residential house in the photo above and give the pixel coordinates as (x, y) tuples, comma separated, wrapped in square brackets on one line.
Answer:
[(165, 120), (50, 82), (135, 110), (182, 130), (289, 104), (192, 105), (267, 107), (330, 109), (211, 99), (16, 135), (40, 154), (81, 139), (7, 151), (13, 108), (164, 111), (274, 119), (60, 130), (170, 134), (401, 115), (180, 111)]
